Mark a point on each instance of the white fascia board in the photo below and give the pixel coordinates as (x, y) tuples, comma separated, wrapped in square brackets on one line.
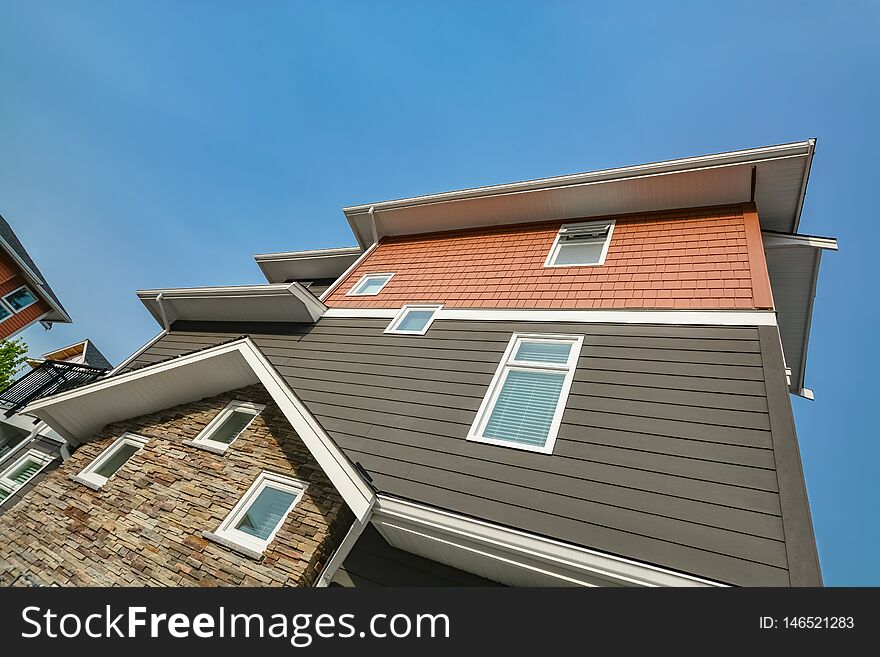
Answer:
[(308, 255), (306, 265), (687, 317), (781, 240), (344, 275), (356, 492), (137, 353), (480, 540), (747, 156)]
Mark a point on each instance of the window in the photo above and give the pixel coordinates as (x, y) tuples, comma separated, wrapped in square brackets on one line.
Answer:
[(20, 299), (21, 471), (370, 285), (5, 313), (254, 521), (581, 244), (413, 320), (525, 401), (111, 460), (229, 424)]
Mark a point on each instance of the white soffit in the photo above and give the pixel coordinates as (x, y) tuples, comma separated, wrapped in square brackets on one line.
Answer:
[(80, 413), (780, 182), (307, 265), (285, 302), (510, 556), (793, 265)]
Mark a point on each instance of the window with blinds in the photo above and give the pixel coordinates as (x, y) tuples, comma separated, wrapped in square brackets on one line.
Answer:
[(111, 460), (254, 521), (524, 405), (229, 424), (21, 471), (413, 320), (579, 245)]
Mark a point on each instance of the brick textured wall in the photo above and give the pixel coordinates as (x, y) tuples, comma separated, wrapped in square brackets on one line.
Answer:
[(683, 259), (144, 528)]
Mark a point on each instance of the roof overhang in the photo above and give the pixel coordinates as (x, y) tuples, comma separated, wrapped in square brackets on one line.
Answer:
[(793, 265), (79, 414), (307, 265), (284, 302), (774, 177), (57, 313), (510, 556)]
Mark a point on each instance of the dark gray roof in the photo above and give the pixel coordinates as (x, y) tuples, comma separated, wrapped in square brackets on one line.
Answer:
[(8, 235), (95, 358), (665, 454)]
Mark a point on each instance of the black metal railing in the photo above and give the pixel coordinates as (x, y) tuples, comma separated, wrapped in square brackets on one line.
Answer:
[(51, 377)]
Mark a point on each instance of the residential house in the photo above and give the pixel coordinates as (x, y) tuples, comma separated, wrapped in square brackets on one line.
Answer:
[(25, 296), (581, 380)]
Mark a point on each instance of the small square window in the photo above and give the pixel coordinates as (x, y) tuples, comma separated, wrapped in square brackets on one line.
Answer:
[(111, 460), (413, 320), (524, 404), (252, 524), (581, 245), (229, 424), (369, 285), (20, 299), (22, 471)]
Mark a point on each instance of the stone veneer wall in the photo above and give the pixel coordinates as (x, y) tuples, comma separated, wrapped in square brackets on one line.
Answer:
[(144, 527)]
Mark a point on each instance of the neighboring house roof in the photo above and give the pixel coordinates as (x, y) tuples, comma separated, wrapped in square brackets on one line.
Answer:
[(307, 265), (634, 471), (82, 353), (10, 243)]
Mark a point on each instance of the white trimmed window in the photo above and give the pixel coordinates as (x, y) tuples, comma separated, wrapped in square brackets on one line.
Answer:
[(229, 424), (111, 460), (524, 405), (413, 319), (254, 521), (369, 285), (5, 313), (580, 245), (21, 471), (20, 299)]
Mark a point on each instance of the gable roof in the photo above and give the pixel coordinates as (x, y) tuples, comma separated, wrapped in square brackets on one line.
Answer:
[(78, 414), (10, 243), (84, 353)]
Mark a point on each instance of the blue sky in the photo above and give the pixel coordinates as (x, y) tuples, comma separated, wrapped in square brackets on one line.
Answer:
[(155, 144)]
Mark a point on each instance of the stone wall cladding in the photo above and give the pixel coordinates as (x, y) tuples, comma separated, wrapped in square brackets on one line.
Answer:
[(684, 259), (144, 527)]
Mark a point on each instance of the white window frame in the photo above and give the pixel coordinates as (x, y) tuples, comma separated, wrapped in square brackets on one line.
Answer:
[(7, 309), (23, 308), (203, 440), (507, 365), (12, 487), (400, 316), (92, 479), (554, 250), (226, 534), (353, 293)]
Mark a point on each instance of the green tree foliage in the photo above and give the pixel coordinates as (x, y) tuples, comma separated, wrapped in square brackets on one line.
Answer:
[(12, 357)]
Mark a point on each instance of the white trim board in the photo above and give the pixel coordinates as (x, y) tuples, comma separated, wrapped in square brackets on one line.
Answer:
[(690, 317), (511, 556), (78, 414)]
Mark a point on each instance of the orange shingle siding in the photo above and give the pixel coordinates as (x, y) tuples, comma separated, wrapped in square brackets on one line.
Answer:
[(696, 258)]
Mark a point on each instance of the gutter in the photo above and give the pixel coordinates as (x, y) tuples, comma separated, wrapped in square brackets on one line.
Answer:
[(342, 552)]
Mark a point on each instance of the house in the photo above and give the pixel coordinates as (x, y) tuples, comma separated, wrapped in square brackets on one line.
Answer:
[(29, 448), (581, 380), (25, 296)]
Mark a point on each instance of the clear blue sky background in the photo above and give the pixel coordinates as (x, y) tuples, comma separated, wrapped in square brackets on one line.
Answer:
[(151, 144)]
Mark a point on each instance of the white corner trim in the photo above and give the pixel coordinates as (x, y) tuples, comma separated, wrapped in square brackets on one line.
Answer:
[(570, 564), (344, 275), (687, 317), (356, 492)]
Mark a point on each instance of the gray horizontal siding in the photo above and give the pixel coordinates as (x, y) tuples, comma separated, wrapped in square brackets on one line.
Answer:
[(664, 454)]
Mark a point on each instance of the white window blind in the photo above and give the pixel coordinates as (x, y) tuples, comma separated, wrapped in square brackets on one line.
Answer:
[(581, 245), (524, 405), (21, 471)]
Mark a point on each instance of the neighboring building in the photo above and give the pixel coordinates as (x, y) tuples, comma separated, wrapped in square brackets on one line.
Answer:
[(29, 448), (580, 380), (25, 296)]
